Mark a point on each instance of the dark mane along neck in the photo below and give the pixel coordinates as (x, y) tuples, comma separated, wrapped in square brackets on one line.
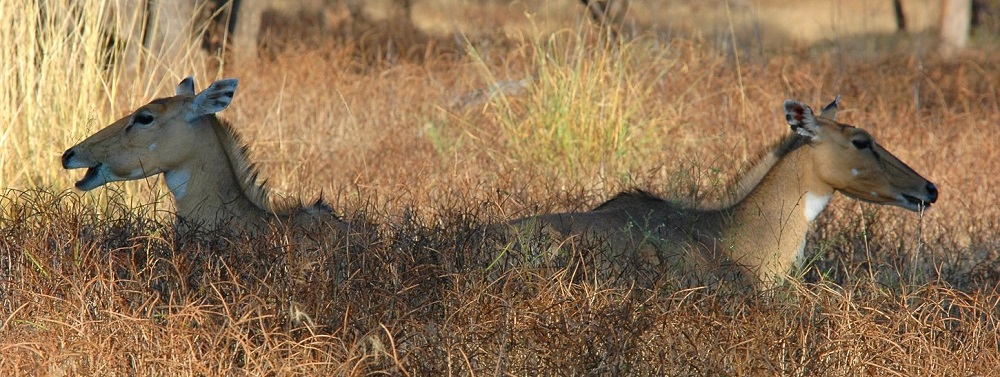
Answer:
[(753, 172), (239, 161), (254, 189), (744, 182)]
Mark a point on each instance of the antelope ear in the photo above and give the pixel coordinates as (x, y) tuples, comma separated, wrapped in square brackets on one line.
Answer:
[(800, 117), (186, 87), (213, 99), (830, 111)]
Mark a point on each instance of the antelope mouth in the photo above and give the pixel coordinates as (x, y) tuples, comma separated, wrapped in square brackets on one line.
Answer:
[(90, 178), (907, 201), (914, 203)]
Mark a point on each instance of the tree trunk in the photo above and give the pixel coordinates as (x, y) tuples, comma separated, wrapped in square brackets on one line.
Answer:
[(956, 19), (897, 6), (246, 27)]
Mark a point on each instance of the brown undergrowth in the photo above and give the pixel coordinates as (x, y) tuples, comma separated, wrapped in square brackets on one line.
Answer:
[(99, 283), (101, 292)]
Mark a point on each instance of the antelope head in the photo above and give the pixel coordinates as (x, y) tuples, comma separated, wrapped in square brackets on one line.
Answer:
[(154, 139), (851, 161)]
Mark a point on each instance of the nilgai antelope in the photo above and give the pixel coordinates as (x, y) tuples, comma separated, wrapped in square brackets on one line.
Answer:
[(202, 159), (758, 236)]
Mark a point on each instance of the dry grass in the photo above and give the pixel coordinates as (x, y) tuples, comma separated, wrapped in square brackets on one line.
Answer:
[(99, 284)]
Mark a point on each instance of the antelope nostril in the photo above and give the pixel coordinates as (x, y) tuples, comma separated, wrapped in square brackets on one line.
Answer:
[(932, 192), (68, 154)]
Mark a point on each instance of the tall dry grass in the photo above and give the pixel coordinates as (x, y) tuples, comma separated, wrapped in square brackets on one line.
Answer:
[(48, 50), (583, 105), (66, 75), (105, 287)]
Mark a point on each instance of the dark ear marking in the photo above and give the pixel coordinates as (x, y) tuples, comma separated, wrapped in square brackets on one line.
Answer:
[(796, 113), (800, 117), (797, 118), (213, 99)]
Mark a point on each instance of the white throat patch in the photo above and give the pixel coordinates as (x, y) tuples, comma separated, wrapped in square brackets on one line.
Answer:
[(815, 204), (177, 181)]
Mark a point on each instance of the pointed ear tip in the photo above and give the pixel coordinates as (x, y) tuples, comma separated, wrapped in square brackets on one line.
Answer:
[(225, 84), (789, 105)]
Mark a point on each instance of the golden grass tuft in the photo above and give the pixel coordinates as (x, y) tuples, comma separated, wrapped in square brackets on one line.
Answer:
[(582, 105)]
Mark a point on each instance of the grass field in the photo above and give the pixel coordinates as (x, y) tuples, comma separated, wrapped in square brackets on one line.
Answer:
[(403, 129)]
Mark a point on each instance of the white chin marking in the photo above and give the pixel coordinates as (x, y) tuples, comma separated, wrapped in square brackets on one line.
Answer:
[(815, 204), (177, 181)]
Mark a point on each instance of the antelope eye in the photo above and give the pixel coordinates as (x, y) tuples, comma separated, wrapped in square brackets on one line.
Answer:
[(862, 143), (142, 119)]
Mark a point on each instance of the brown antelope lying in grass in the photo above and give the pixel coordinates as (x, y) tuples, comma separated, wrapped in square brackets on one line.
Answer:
[(760, 235), (202, 159)]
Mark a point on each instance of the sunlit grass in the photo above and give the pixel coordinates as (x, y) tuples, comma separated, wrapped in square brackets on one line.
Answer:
[(99, 283), (582, 108), (62, 82)]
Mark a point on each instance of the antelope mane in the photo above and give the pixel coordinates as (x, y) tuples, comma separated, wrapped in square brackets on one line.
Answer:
[(248, 175), (755, 171)]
